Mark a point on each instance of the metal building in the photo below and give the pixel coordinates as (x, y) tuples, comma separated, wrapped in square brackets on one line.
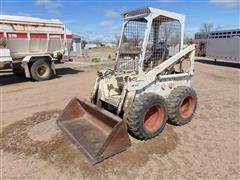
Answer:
[(76, 49)]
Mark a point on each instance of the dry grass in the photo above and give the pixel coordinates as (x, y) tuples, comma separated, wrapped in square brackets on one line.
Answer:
[(101, 53)]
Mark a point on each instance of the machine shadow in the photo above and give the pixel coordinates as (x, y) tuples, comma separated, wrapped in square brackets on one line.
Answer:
[(7, 78), (219, 63), (66, 70)]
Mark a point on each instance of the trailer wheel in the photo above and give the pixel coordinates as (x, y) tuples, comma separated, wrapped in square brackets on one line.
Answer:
[(182, 104), (147, 116), (41, 70)]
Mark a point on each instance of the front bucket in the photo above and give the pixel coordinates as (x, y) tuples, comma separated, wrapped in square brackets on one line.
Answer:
[(98, 133)]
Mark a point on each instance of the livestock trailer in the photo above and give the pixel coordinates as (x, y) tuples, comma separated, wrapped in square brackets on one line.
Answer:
[(219, 45), (32, 45), (224, 45)]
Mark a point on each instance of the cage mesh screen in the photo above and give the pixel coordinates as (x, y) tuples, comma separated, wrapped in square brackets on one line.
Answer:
[(164, 41), (131, 45)]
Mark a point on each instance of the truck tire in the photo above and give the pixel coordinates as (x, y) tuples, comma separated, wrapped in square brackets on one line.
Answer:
[(147, 116), (41, 70), (182, 104)]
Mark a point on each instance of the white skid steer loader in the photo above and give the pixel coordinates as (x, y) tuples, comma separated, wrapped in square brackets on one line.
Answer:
[(149, 86)]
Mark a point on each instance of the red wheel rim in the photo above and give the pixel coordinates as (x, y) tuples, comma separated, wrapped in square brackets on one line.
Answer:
[(187, 107), (154, 118)]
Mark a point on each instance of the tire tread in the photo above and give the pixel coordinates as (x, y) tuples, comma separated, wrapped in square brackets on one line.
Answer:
[(135, 125), (173, 104)]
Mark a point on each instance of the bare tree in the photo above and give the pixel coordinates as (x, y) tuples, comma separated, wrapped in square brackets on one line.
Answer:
[(206, 27)]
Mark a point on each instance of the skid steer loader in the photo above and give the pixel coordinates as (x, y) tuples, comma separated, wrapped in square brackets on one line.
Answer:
[(149, 85)]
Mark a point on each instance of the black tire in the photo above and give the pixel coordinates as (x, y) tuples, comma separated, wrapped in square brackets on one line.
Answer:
[(41, 70), (148, 106), (182, 104)]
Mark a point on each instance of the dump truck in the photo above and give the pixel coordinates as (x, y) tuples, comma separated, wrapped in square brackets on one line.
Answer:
[(32, 45), (149, 86)]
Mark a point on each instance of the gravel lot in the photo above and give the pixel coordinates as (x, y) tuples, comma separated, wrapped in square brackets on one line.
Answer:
[(32, 146)]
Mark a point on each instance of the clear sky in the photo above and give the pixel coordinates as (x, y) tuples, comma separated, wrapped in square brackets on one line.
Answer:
[(100, 19)]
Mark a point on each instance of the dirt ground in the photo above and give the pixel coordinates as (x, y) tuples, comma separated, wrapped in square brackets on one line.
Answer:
[(32, 146)]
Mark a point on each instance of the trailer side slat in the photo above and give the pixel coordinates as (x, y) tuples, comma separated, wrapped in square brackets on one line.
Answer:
[(39, 35), (17, 35), (55, 36), (69, 36), (1, 35)]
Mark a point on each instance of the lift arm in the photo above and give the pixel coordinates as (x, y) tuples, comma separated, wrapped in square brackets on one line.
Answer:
[(149, 77)]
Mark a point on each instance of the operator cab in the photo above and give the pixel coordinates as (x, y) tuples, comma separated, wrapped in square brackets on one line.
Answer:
[(149, 37)]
